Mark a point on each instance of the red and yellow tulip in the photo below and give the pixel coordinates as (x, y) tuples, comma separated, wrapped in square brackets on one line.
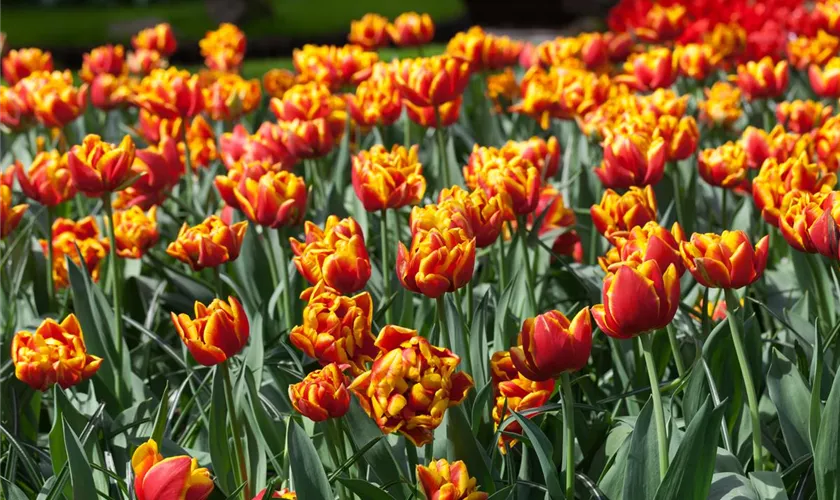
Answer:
[(217, 332)]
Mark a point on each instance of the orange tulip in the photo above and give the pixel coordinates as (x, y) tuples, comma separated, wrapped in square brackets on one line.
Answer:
[(307, 139), (828, 15), (811, 222), (322, 394), (54, 353), (695, 60), (648, 242), (499, 172), (638, 297), (231, 97), (15, 113), (218, 331), (410, 29), (158, 478), (277, 81), (160, 168), (53, 98), (775, 179), (680, 135), (18, 64), (484, 51), (514, 392), (727, 260), (722, 106), (170, 93), (663, 23), (67, 235), (805, 50), (724, 166), (827, 144), (762, 79), (825, 81), (623, 212), (371, 31), (98, 167), (802, 117), (432, 81), (632, 158), (135, 231), (209, 244), (550, 344), (558, 216), (158, 38), (544, 154), (375, 102), (502, 89), (443, 480), (655, 69), (47, 180), (273, 199), (224, 48), (410, 385), (388, 179), (108, 91), (264, 147), (336, 254), (336, 329), (425, 116), (334, 66), (143, 61), (438, 262), (484, 214), (107, 59)]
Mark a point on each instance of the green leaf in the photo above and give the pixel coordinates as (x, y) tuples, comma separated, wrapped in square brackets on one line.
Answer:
[(469, 450), (542, 447), (365, 489), (81, 473), (381, 459), (827, 451), (479, 351), (308, 473), (160, 417), (731, 486), (790, 394), (642, 476), (690, 474), (768, 485), (270, 430), (220, 451), (816, 375)]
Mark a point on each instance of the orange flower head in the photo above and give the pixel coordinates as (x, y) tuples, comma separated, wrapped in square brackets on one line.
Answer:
[(386, 179), (337, 254), (334, 66), (410, 29), (311, 101), (143, 61), (762, 79), (663, 102), (274, 199), (370, 32), (828, 15), (445, 480), (322, 394), (18, 64), (160, 168), (663, 23), (98, 167), (648, 242), (696, 60), (776, 179), (67, 235), (632, 157), (724, 166), (543, 154), (224, 48), (680, 135), (514, 392), (655, 69), (432, 81), (439, 261), (170, 93), (156, 478), (727, 39), (727, 260), (811, 222), (135, 231), (265, 146), (53, 98), (277, 81), (202, 141), (47, 180), (104, 60), (54, 353), (307, 139), (827, 144), (501, 172), (540, 99), (209, 244), (722, 106), (158, 38), (336, 328), (623, 212), (108, 91), (15, 113), (484, 51), (231, 96), (825, 81), (375, 102), (637, 298), (10, 215), (804, 51), (502, 89), (218, 331), (484, 214), (410, 385), (802, 117), (550, 344), (425, 116)]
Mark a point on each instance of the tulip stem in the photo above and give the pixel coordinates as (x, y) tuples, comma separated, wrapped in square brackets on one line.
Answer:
[(287, 286), (723, 221), (234, 423), (444, 327), (501, 253), (735, 328), (675, 179), (675, 349), (646, 340), (50, 257), (529, 272), (569, 433), (188, 179), (406, 132), (444, 167), (386, 265), (116, 279), (470, 301)]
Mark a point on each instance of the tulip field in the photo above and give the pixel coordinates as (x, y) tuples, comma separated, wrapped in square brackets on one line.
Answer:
[(604, 266)]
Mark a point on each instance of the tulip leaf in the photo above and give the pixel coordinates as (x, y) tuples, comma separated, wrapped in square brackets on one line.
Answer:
[(81, 473), (816, 376), (545, 451), (768, 485), (791, 397), (365, 489), (690, 473), (642, 476), (220, 449), (308, 473), (479, 351), (467, 448), (160, 418), (827, 451), (731, 486)]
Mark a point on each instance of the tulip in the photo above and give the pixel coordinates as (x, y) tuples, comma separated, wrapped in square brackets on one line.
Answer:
[(209, 244), (432, 81), (98, 167), (826, 81), (623, 212), (78, 241), (18, 64), (696, 61), (775, 179), (322, 394), (376, 102), (277, 81), (371, 31), (311, 101), (724, 166), (240, 149), (502, 89), (135, 231), (762, 79), (170, 93), (15, 113), (654, 69), (53, 98), (484, 51), (307, 139), (722, 106), (336, 254), (334, 66), (650, 242), (540, 100), (336, 329), (756, 144), (224, 48), (544, 154), (484, 214), (663, 102), (444, 480), (275, 199), (158, 478), (725, 261), (499, 173), (680, 135), (153, 128), (410, 385), (438, 262), (802, 117), (632, 159), (283, 494), (143, 61), (428, 116), (384, 179), (158, 38), (47, 180), (809, 222), (827, 145), (160, 168), (663, 23), (411, 29), (638, 297), (231, 97), (806, 50), (550, 344), (108, 91), (218, 331), (107, 59), (514, 392), (54, 353), (201, 141)]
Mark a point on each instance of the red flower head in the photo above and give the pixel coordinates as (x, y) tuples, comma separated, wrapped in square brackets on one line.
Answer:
[(727, 260), (550, 344)]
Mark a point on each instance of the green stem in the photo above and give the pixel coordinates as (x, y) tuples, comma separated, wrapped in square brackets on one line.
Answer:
[(736, 328), (675, 349), (237, 439), (723, 221), (441, 143), (646, 340), (501, 253), (470, 302), (445, 337), (569, 433), (592, 258), (283, 264), (675, 179), (272, 268), (116, 279), (529, 274), (386, 265), (50, 257), (406, 132), (413, 461), (220, 285), (188, 174)]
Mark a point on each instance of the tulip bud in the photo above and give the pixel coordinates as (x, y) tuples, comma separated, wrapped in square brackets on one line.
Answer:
[(322, 394), (224, 48), (78, 241), (724, 166), (98, 167), (158, 478), (135, 231), (451, 481), (826, 81), (727, 260), (336, 254), (370, 32), (10, 216), (432, 81), (18, 64), (762, 79), (438, 262), (104, 60), (632, 158), (411, 29), (158, 38), (384, 179), (218, 331), (209, 244), (550, 345)]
